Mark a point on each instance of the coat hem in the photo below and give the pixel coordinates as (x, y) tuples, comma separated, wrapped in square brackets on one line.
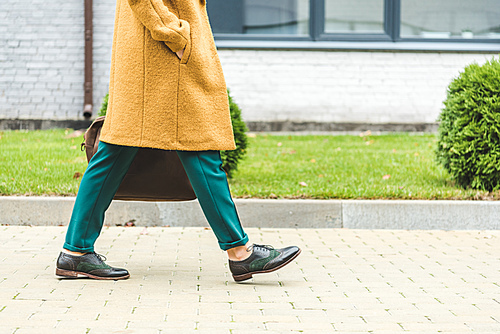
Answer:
[(173, 147)]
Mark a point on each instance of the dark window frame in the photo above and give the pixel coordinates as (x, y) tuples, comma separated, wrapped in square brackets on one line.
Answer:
[(392, 23)]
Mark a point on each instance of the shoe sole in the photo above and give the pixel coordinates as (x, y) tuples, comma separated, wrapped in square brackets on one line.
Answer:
[(244, 277), (74, 274)]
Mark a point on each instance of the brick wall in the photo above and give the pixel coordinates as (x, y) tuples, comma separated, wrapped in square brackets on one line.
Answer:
[(360, 87), (41, 73), (42, 55)]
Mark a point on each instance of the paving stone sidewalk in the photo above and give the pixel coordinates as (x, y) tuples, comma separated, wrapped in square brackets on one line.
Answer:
[(345, 281)]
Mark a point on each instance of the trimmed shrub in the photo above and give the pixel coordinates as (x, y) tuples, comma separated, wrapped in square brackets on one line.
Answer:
[(104, 106), (469, 130), (230, 159)]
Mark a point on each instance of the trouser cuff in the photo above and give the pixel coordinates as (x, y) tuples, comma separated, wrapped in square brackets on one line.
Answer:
[(228, 245), (78, 249)]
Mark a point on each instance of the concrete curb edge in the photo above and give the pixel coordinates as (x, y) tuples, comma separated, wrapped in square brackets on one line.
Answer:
[(361, 214)]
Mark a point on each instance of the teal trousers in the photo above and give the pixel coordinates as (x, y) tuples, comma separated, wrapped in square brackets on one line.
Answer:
[(108, 167)]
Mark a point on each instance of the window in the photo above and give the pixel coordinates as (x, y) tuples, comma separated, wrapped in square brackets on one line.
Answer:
[(450, 19), (360, 20), (276, 17), (260, 17), (364, 16)]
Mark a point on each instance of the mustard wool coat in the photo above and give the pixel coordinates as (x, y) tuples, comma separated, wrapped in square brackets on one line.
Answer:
[(157, 100)]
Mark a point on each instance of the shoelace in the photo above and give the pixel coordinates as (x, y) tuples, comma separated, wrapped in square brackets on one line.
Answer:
[(101, 257), (267, 247)]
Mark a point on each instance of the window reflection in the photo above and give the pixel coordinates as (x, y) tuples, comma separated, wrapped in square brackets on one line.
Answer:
[(450, 18), (361, 16), (276, 17), (268, 17)]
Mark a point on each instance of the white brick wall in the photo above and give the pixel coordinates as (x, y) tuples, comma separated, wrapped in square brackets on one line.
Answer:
[(326, 86), (41, 73), (42, 57), (104, 19)]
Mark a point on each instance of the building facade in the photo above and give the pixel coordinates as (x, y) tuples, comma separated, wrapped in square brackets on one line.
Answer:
[(290, 64)]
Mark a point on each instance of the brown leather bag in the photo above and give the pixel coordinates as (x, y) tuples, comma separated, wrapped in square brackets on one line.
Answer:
[(154, 175)]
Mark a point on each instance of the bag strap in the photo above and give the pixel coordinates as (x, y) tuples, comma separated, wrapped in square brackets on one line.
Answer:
[(91, 137)]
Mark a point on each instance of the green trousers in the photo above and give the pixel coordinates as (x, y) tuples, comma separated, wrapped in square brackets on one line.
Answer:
[(108, 167)]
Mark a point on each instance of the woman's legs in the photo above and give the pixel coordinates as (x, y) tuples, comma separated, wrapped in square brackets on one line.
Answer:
[(101, 180), (209, 181), (108, 167)]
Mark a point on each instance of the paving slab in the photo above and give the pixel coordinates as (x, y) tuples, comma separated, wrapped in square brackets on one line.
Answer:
[(345, 281)]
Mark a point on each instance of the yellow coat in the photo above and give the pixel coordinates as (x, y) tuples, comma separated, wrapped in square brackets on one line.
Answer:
[(157, 100)]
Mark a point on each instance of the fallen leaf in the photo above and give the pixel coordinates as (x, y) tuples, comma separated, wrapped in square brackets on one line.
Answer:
[(74, 134), (320, 175), (77, 175), (73, 147), (370, 142), (130, 223), (394, 150), (416, 144), (251, 135), (386, 177), (313, 160), (293, 152), (365, 134), (45, 169), (279, 144), (417, 154), (302, 184), (339, 149), (273, 196)]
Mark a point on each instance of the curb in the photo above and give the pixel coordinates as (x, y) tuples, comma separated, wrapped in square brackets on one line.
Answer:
[(355, 214)]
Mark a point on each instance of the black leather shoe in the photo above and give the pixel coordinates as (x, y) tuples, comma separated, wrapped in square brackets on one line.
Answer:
[(264, 259), (91, 265)]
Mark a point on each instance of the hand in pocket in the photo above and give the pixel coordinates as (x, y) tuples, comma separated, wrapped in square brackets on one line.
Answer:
[(180, 53)]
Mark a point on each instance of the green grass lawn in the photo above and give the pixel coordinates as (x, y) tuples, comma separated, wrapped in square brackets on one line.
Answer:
[(40, 162), (396, 166)]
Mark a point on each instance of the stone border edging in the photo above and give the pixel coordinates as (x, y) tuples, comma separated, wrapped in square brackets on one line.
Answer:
[(362, 214)]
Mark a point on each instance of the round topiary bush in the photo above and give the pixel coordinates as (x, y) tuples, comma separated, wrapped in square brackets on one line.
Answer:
[(230, 159), (469, 129)]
